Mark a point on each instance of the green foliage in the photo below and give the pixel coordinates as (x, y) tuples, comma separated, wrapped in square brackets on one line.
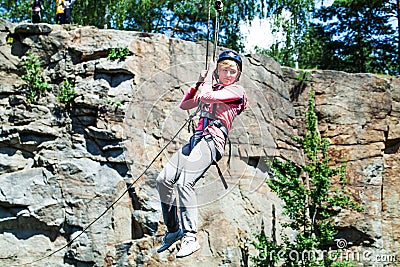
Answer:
[(10, 40), (67, 94), (187, 20), (294, 27), (304, 76), (268, 251), (365, 42), (20, 10), (36, 85), (16, 10), (111, 101), (310, 200), (350, 35), (118, 53)]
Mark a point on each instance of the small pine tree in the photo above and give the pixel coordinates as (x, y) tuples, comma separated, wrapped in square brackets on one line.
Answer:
[(310, 201)]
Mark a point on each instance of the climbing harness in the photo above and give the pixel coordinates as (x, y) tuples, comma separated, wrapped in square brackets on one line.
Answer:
[(210, 119)]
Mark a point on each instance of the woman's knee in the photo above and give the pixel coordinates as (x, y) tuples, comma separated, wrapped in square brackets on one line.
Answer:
[(160, 180), (165, 180)]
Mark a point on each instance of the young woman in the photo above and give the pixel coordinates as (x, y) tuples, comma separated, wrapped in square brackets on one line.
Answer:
[(60, 16), (68, 10), (37, 5), (220, 103)]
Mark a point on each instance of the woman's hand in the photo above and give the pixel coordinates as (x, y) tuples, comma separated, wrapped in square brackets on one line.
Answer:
[(210, 72), (206, 76), (202, 76)]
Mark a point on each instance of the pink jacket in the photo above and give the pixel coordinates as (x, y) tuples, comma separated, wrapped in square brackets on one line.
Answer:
[(226, 109)]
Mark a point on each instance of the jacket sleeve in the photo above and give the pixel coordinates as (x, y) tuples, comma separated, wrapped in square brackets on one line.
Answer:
[(190, 99), (228, 94)]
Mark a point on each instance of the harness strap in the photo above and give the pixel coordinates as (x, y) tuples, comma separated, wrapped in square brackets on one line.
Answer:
[(229, 152), (214, 121), (221, 176), (210, 120), (214, 110)]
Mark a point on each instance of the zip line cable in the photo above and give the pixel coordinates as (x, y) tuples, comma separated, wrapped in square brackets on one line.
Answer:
[(218, 7), (208, 32)]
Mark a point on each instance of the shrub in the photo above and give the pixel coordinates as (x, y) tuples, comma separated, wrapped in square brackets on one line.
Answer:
[(118, 52), (36, 85), (67, 94)]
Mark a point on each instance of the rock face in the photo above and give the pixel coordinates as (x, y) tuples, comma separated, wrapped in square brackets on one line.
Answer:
[(359, 114), (70, 172)]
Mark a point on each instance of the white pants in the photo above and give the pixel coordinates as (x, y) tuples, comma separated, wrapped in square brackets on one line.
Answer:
[(184, 171)]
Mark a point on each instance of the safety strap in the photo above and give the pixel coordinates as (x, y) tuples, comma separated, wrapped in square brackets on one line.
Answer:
[(221, 176), (208, 122)]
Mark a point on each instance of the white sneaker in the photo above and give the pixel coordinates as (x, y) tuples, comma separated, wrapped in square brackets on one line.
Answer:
[(169, 239), (189, 245)]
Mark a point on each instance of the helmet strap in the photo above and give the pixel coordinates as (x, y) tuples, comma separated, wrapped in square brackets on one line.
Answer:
[(238, 76), (216, 76)]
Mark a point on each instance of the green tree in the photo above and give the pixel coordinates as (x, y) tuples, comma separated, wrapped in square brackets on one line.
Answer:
[(102, 14), (20, 10), (293, 18), (310, 201), (357, 37), (187, 20), (349, 35)]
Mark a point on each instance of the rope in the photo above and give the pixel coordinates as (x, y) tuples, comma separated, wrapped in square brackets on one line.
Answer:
[(218, 5), (190, 118), (208, 32), (218, 8)]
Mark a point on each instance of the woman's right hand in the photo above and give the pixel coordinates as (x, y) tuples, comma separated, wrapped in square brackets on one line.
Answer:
[(206, 76), (202, 76)]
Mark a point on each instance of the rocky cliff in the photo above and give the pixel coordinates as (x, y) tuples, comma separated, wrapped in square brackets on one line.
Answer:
[(63, 167)]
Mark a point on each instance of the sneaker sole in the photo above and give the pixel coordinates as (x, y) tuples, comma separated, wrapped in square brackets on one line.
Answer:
[(182, 256)]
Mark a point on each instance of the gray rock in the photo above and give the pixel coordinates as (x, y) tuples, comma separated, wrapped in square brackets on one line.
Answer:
[(33, 28), (62, 167)]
